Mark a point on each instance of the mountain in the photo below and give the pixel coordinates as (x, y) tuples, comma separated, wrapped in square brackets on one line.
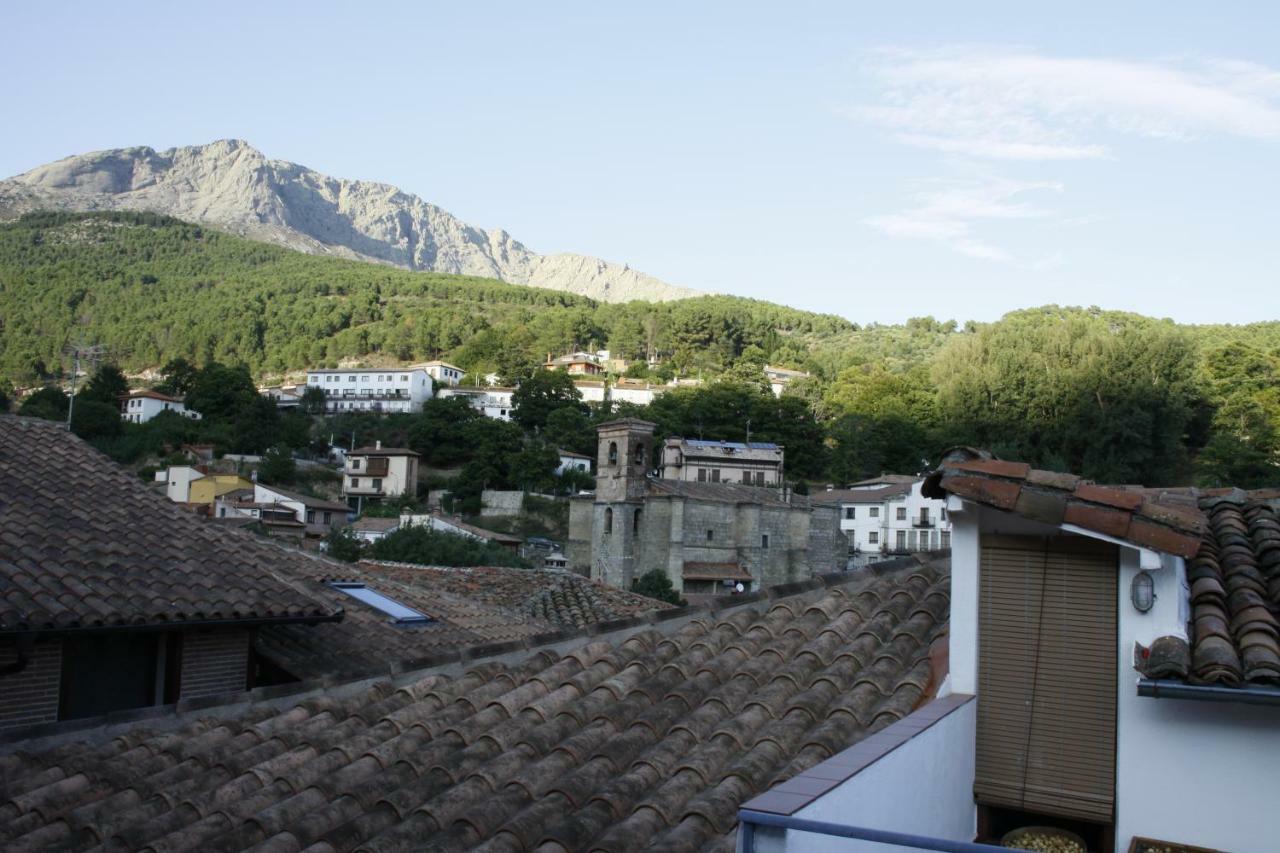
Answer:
[(232, 186)]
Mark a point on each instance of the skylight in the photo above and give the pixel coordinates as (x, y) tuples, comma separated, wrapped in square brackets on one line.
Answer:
[(399, 613)]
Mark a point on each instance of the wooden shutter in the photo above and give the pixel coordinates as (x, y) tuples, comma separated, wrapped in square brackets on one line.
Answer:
[(1047, 676)]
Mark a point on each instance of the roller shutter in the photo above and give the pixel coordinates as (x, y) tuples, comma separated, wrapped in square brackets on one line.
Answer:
[(1047, 676)]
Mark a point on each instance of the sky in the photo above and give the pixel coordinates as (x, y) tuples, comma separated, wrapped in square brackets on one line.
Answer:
[(879, 161)]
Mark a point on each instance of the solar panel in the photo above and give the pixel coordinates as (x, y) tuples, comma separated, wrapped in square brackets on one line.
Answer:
[(399, 613)]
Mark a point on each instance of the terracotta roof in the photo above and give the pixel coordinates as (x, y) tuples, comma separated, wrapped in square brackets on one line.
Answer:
[(696, 571), (651, 738), (85, 544), (724, 493), (1160, 519), (154, 395), (1235, 597)]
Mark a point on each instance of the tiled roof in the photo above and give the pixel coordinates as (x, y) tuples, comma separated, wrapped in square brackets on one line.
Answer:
[(308, 500), (1235, 597), (84, 544), (1163, 520), (724, 493), (382, 451), (482, 532), (651, 740), (154, 395), (376, 525), (861, 496), (696, 571)]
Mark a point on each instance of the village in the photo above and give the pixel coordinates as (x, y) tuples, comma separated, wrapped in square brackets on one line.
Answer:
[(699, 654)]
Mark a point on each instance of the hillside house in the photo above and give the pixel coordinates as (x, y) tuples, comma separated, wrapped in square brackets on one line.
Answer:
[(138, 407), (456, 526), (376, 473), (575, 364), (131, 605), (370, 530), (196, 485), (694, 460), (318, 517), (377, 389), (1120, 649), (708, 537), (888, 516), (491, 401), (780, 378), (443, 372), (573, 461)]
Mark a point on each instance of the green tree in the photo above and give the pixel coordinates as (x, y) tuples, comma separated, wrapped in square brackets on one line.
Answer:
[(107, 385), (655, 584), (313, 400), (49, 403), (342, 544), (429, 547), (277, 467), (179, 377), (93, 419), (540, 395), (219, 392)]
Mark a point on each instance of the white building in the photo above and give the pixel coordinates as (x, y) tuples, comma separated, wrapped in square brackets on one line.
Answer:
[(889, 515), (177, 481), (371, 530), (141, 406), (318, 515), (780, 377), (378, 389), (443, 372), (694, 460), (573, 461), (1112, 667), (377, 472), (592, 390), (492, 402)]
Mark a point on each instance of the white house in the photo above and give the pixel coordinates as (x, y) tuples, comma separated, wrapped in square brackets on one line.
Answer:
[(458, 527), (371, 530), (889, 515), (141, 406), (377, 472), (492, 402), (178, 480), (592, 390), (780, 377), (317, 514), (573, 461), (1113, 664), (443, 372), (378, 389)]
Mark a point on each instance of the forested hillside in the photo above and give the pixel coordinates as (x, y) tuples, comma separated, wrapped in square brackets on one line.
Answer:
[(1117, 397)]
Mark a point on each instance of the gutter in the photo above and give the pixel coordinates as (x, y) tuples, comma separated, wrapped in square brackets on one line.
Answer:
[(259, 622), (1169, 689)]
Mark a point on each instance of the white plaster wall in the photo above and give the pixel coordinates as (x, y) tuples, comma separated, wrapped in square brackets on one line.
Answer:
[(965, 550), (924, 787), (178, 482), (1201, 773)]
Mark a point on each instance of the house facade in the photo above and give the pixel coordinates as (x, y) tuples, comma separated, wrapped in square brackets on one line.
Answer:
[(138, 407), (443, 372), (375, 389), (188, 484), (573, 461), (318, 516), (709, 538), (491, 401), (888, 516), (377, 472), (697, 461), (575, 364), (780, 377)]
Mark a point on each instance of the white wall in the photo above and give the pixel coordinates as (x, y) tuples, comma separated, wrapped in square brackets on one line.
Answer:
[(358, 390), (178, 480), (924, 787)]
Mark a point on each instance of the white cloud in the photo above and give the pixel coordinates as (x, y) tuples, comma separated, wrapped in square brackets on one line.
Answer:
[(1018, 105), (949, 213)]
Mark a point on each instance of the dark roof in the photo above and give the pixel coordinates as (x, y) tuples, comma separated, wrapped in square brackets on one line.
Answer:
[(85, 544), (382, 451), (651, 738), (564, 452), (736, 445), (699, 571), (154, 395), (888, 480), (1230, 539), (866, 496), (376, 525), (482, 532), (467, 606), (724, 493), (1160, 519), (1235, 596), (308, 500)]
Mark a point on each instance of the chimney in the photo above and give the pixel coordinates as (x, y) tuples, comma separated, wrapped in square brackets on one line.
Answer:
[(377, 445)]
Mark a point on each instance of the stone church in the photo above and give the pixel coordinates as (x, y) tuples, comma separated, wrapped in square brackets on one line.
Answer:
[(709, 537)]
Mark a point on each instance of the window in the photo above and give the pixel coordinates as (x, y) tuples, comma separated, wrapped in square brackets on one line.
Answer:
[(759, 478), (377, 484), (222, 512), (702, 475), (946, 539), (355, 482), (608, 520), (711, 535), (635, 522), (404, 378), (355, 464), (399, 613), (613, 453), (902, 513), (351, 379), (311, 516), (944, 513), (764, 540), (873, 538), (924, 515), (715, 475), (850, 512), (640, 454), (875, 512), (328, 518), (364, 378), (902, 540)]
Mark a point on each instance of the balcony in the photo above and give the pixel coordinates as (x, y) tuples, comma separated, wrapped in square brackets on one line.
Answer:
[(923, 521), (908, 787), (373, 468)]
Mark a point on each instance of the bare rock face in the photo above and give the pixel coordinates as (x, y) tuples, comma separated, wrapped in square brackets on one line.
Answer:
[(230, 185)]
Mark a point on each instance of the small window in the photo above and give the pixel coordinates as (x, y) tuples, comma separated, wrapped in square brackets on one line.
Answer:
[(355, 482), (759, 478), (902, 513), (640, 454), (613, 453), (715, 475), (608, 520), (635, 522), (399, 613), (364, 378), (328, 518), (946, 539), (355, 464), (351, 379), (944, 513), (764, 540), (873, 538), (404, 378), (711, 535), (311, 516), (850, 512), (377, 484), (875, 512), (702, 475), (902, 540)]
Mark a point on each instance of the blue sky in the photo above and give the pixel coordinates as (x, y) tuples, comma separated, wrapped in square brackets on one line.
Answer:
[(878, 161)]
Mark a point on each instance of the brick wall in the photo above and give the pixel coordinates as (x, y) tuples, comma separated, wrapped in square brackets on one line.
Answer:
[(214, 662), (30, 696)]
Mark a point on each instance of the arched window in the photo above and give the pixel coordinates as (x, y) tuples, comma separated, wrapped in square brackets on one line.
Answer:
[(635, 522), (608, 520), (613, 453), (640, 455)]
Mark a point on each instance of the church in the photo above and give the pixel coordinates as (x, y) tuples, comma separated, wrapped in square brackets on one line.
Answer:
[(710, 537)]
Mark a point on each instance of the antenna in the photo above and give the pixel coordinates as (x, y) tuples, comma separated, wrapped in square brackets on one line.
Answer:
[(81, 351)]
